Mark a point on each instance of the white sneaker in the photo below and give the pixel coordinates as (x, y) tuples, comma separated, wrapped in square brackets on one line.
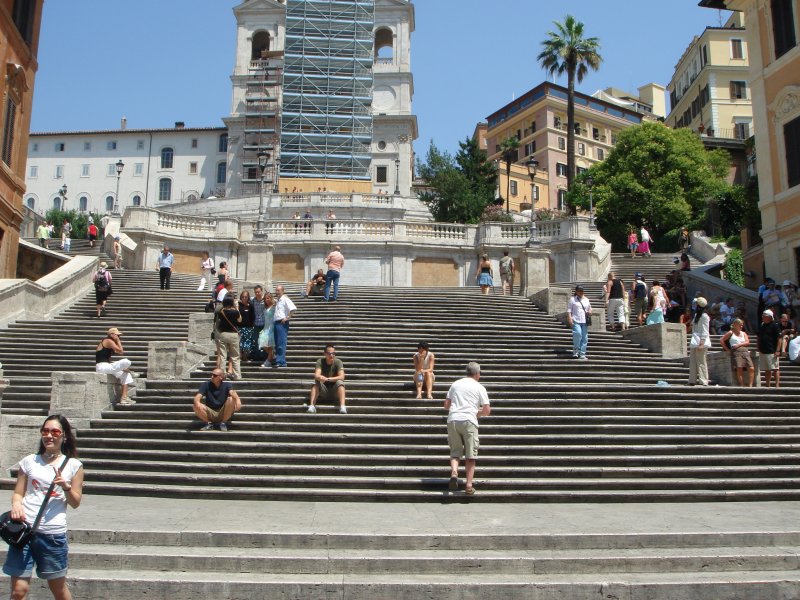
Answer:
[(312, 409), (343, 410)]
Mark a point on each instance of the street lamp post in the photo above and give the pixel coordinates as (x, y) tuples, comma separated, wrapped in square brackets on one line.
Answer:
[(397, 177), (532, 165), (62, 192), (263, 159), (119, 166), (590, 183)]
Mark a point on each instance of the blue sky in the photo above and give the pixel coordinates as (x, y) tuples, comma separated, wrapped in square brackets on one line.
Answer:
[(161, 61)]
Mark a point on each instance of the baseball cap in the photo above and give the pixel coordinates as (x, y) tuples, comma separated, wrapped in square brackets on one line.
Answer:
[(786, 283)]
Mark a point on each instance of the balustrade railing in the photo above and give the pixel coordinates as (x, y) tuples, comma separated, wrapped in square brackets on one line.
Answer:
[(515, 231), (442, 231), (548, 230), (171, 221)]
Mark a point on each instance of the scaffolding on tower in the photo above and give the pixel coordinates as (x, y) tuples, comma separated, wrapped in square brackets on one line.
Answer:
[(262, 121), (326, 128)]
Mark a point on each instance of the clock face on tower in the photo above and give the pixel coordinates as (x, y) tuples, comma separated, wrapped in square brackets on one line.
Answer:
[(383, 98)]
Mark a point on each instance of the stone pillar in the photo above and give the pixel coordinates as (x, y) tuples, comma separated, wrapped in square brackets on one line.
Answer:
[(19, 436), (200, 325), (82, 397), (552, 300), (255, 263), (666, 339), (720, 369), (173, 360), (534, 270)]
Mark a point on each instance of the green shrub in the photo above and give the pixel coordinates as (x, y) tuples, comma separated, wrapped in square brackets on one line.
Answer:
[(78, 220), (734, 267)]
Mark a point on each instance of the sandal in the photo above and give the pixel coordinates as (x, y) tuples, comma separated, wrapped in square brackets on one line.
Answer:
[(470, 491), (453, 485)]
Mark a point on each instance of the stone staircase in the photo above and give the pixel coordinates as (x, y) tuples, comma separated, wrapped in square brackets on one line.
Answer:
[(77, 247), (31, 350), (560, 430), (121, 564)]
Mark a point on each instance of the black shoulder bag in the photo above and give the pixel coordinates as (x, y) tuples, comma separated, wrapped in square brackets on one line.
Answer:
[(585, 314), (19, 533)]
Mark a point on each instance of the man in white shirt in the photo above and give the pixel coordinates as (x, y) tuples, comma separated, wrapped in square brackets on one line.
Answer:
[(284, 311), (466, 401), (578, 310)]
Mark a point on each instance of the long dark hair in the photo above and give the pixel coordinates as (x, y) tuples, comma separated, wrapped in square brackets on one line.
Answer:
[(699, 313), (69, 447)]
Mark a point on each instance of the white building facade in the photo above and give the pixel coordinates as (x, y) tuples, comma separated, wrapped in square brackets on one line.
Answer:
[(161, 166)]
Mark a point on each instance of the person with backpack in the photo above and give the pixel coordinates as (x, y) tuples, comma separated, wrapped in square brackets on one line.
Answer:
[(102, 287), (639, 291)]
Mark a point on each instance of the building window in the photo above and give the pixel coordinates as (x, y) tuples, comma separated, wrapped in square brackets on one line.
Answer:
[(557, 122), (167, 155), (561, 169), (109, 203), (737, 49), (613, 139), (59, 172), (34, 172), (381, 145), (791, 136), (513, 188), (60, 146), (24, 16), (705, 95), (137, 200), (222, 173), (533, 126), (84, 170), (582, 149), (191, 198), (580, 170), (83, 203), (35, 147), (138, 169), (192, 168), (562, 200), (111, 170), (194, 142), (87, 146), (783, 26), (703, 56), (530, 148), (31, 202), (738, 90), (741, 130), (601, 154), (140, 144), (57, 203), (595, 134), (165, 189), (562, 143), (381, 175), (252, 173), (695, 107), (112, 145), (223, 143)]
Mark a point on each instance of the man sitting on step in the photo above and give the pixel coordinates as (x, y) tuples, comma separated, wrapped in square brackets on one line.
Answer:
[(328, 380), (216, 401)]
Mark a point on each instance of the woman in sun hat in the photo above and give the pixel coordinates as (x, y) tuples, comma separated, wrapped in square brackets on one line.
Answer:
[(106, 348)]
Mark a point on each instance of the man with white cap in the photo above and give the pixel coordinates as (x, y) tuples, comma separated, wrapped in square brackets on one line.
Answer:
[(769, 350), (106, 348)]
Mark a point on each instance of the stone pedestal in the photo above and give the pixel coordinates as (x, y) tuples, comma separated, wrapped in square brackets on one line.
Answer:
[(173, 360), (720, 369), (666, 339), (534, 270), (82, 397), (200, 325), (255, 263), (19, 436), (552, 300)]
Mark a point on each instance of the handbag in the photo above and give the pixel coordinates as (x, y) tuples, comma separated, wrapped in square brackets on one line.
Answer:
[(19, 533), (587, 315)]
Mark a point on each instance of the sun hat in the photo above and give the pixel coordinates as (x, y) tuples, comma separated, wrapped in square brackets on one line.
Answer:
[(103, 265), (701, 302), (114, 331)]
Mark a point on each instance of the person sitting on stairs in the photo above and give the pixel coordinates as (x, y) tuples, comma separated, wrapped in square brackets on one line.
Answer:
[(216, 402), (106, 348), (328, 380)]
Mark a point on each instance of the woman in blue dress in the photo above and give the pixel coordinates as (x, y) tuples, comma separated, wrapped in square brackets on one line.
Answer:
[(485, 275), (266, 339)]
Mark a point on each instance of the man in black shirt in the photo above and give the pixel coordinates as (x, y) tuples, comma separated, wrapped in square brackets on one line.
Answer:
[(216, 401), (615, 295), (769, 350), (328, 380)]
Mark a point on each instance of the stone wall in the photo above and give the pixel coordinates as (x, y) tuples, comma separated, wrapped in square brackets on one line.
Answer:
[(434, 272), (289, 267), (34, 262)]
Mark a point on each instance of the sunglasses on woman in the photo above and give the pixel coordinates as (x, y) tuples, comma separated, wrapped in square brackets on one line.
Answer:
[(52, 432)]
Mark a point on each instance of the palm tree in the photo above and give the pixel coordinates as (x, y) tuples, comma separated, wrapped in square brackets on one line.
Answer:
[(566, 50), (509, 151)]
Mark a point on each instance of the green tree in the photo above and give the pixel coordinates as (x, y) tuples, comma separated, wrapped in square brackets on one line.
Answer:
[(460, 187), (509, 150), (655, 175), (567, 51)]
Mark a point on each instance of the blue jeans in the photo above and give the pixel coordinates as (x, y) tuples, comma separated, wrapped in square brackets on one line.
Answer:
[(334, 277), (48, 552), (580, 338), (281, 335)]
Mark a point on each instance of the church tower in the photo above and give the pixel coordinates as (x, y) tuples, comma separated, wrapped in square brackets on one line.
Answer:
[(322, 97)]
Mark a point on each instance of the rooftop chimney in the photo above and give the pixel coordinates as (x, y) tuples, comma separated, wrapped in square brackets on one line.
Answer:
[(123, 123), (179, 124)]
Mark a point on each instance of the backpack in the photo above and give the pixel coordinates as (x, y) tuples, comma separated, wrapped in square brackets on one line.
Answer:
[(640, 291), (101, 282)]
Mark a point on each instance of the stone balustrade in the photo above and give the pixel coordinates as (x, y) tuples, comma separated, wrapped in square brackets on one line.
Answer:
[(333, 199)]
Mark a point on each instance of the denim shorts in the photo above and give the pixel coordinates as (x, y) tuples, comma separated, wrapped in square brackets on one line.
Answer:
[(49, 552)]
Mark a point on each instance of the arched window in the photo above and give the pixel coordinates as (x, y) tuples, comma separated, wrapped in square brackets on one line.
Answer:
[(384, 45), (165, 189), (223, 143), (83, 204), (191, 198), (167, 154), (109, 203), (260, 44), (222, 173), (57, 203), (31, 202), (137, 200)]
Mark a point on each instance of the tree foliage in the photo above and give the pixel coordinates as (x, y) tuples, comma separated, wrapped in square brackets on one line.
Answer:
[(509, 150), (566, 50), (461, 187), (78, 220), (656, 176)]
